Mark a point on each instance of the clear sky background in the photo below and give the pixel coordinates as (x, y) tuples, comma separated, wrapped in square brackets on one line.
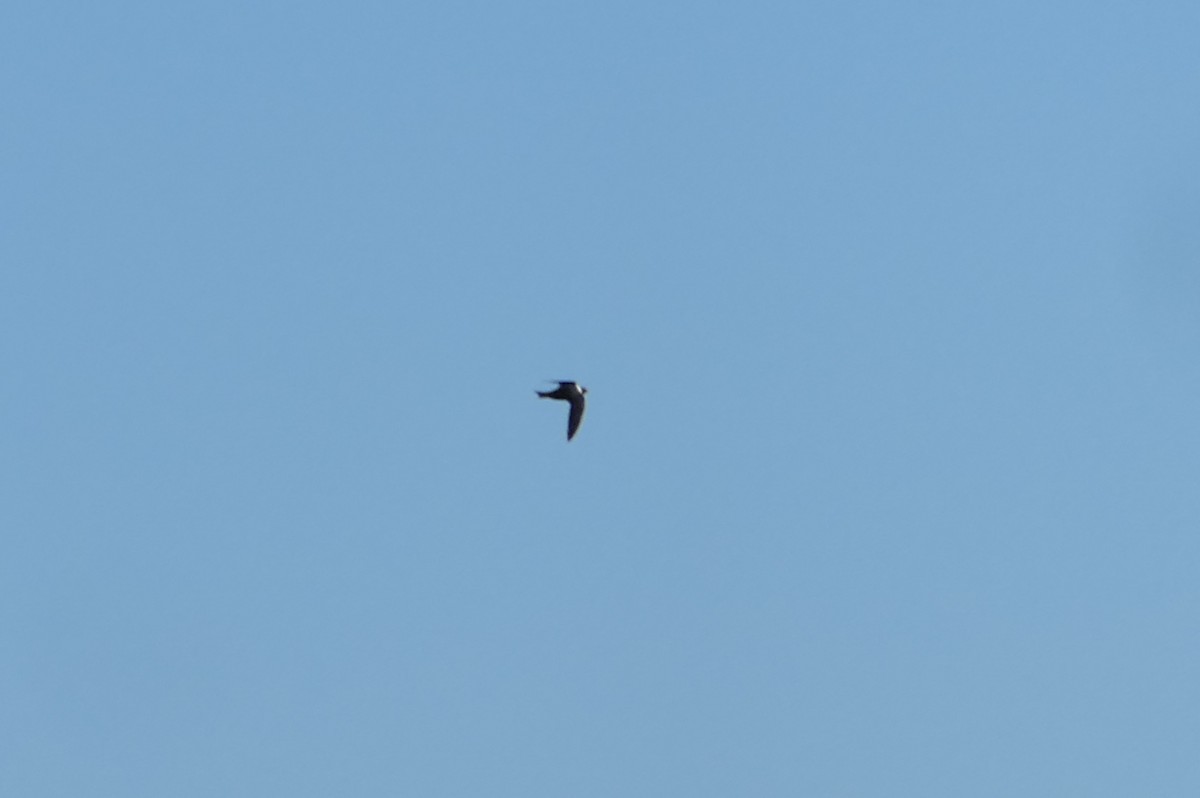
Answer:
[(890, 314)]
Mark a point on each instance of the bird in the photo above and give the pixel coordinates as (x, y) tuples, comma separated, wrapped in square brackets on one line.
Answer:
[(571, 392)]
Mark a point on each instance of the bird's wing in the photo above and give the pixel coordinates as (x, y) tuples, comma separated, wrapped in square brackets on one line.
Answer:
[(576, 417)]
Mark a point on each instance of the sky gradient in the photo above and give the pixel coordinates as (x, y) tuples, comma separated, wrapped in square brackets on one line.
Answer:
[(889, 314)]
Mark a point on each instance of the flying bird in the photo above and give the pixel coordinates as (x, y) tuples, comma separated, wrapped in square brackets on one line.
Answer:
[(573, 393)]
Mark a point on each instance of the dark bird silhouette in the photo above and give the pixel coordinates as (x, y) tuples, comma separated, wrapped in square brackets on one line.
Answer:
[(573, 393)]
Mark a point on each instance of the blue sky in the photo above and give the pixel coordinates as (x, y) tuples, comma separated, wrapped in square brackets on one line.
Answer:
[(889, 314)]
